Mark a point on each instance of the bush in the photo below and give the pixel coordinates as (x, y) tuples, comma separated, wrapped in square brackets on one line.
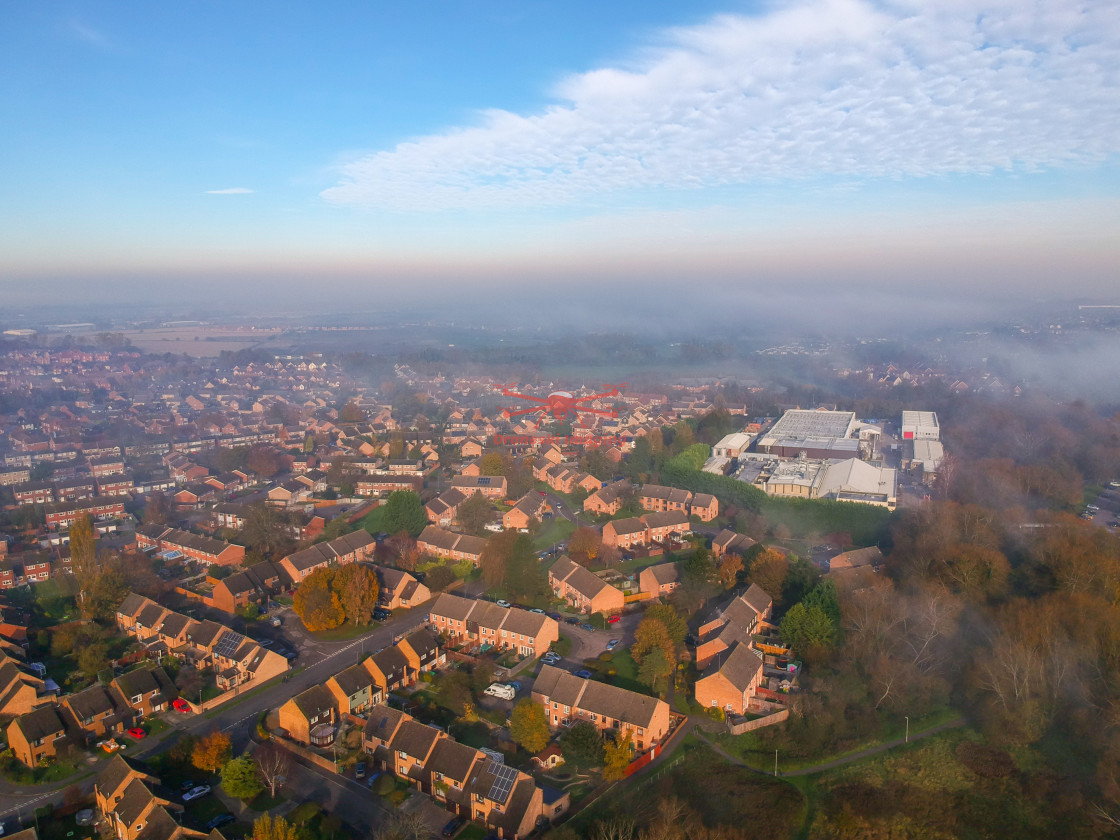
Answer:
[(386, 784), (606, 656), (397, 796), (716, 713), (987, 762)]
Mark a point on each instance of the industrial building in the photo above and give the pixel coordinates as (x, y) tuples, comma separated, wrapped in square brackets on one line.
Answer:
[(920, 425)]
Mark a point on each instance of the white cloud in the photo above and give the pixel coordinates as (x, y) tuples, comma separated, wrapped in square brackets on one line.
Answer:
[(230, 191), (830, 87)]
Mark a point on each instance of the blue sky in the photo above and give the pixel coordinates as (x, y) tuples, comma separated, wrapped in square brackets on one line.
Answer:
[(418, 145)]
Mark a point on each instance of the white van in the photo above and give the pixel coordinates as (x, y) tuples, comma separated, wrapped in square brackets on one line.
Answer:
[(505, 692)]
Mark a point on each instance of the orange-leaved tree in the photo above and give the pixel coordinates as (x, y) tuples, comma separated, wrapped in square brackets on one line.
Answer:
[(316, 602)]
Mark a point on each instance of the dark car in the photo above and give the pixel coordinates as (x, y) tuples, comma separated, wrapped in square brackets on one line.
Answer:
[(554, 616), (220, 820), (452, 827), (380, 614), (360, 770), (587, 627), (584, 674), (572, 620)]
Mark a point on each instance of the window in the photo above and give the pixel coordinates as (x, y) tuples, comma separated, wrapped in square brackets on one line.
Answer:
[(402, 754), (137, 698)]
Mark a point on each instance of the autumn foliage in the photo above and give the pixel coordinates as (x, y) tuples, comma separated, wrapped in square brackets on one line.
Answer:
[(327, 598), (211, 752)]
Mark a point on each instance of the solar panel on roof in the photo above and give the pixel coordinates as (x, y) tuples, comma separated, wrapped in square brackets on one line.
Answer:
[(228, 644), (504, 777), (484, 482)]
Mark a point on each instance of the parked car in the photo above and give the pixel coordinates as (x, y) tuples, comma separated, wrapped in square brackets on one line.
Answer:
[(381, 614), (186, 785), (584, 674), (537, 610), (196, 793), (572, 620), (614, 619), (587, 627), (551, 658), (137, 733), (452, 827), (291, 654), (360, 770), (181, 705), (220, 820), (514, 684), (504, 603), (612, 644), (264, 642), (275, 621), (505, 692), (555, 616)]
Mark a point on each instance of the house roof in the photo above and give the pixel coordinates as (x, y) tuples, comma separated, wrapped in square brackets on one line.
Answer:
[(415, 739), (40, 723), (664, 572), (668, 494), (602, 699), (353, 679), (666, 518), (314, 700), (452, 759), (91, 702), (382, 722), (739, 666), (578, 578)]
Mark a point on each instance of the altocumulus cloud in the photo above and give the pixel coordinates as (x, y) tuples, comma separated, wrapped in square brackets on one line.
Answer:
[(833, 87)]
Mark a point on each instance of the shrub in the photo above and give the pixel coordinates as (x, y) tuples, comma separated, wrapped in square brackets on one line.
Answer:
[(716, 713), (985, 761), (606, 656), (397, 796)]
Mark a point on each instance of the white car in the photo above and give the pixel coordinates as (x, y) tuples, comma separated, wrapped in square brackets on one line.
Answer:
[(196, 792), (549, 658), (502, 603)]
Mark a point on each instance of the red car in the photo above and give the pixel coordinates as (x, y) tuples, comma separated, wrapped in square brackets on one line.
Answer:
[(181, 705), (137, 733), (614, 619)]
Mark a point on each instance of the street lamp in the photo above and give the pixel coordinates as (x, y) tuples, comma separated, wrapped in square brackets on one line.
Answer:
[(907, 728)]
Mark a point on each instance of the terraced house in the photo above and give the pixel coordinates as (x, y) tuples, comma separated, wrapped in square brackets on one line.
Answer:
[(349, 548), (464, 780), (235, 659), (646, 530), (175, 545), (449, 545), (568, 699), (137, 806), (585, 591), (466, 620)]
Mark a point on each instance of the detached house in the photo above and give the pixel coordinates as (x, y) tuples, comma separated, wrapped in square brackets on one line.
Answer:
[(399, 589), (146, 690), (731, 679)]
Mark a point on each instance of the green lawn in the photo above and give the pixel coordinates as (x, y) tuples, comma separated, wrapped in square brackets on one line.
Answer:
[(341, 634), (205, 809), (374, 521), (555, 530)]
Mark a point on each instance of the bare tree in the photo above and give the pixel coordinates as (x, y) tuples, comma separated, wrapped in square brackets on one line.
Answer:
[(273, 765)]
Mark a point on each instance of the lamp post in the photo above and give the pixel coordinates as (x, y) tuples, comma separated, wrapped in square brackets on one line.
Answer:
[(775, 762), (907, 729)]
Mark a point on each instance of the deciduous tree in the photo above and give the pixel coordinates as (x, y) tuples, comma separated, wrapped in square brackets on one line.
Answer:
[(357, 589), (211, 752), (582, 744), (584, 545), (266, 827), (474, 513), (529, 725), (653, 635), (316, 602), (239, 778), (404, 512), (769, 570), (274, 764), (616, 756)]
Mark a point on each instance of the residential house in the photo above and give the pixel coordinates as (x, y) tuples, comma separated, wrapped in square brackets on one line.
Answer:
[(730, 679), (568, 699), (734, 623), (381, 485), (20, 691), (528, 508), (660, 580), (608, 499), (438, 542), (37, 735), (94, 713), (138, 807), (65, 514), (467, 620), (309, 718), (655, 497), (392, 668), (490, 486), (174, 545), (585, 591), (349, 548), (399, 589), (444, 509), (355, 689), (646, 530), (146, 690), (704, 506), (729, 542)]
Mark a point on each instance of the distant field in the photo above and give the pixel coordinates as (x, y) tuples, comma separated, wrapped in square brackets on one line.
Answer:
[(200, 341)]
